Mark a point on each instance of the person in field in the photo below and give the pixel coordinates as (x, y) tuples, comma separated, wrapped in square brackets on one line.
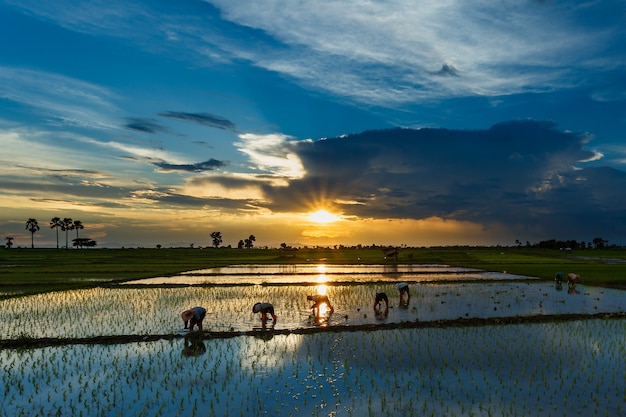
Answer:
[(264, 309), (193, 317), (403, 289), (317, 301), (558, 277), (572, 278), (378, 300)]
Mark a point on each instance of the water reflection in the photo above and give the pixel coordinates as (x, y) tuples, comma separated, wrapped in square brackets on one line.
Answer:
[(322, 309), (193, 344)]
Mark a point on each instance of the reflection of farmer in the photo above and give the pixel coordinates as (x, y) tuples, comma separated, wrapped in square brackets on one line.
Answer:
[(194, 346), (264, 309), (403, 288), (318, 301), (378, 300), (194, 317)]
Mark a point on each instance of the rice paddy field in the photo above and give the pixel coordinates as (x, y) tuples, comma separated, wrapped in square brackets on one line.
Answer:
[(467, 343)]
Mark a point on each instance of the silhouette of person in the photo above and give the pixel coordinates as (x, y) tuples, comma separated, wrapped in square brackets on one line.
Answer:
[(193, 317), (317, 301), (558, 277), (264, 309), (403, 288), (378, 300)]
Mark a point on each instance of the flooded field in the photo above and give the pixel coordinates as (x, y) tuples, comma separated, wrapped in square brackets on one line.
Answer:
[(546, 369)]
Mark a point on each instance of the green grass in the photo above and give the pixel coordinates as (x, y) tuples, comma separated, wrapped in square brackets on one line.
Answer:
[(36, 270)]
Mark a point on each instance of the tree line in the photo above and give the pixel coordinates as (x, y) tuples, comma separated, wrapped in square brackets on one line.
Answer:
[(66, 225)]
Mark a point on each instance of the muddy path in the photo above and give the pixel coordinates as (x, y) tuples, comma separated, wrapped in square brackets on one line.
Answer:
[(31, 343)]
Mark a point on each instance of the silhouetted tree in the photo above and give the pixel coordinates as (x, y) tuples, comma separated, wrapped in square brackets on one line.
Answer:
[(55, 223), (67, 226), (32, 226), (599, 243), (217, 239), (249, 243), (83, 241), (77, 224), (240, 244), (9, 240)]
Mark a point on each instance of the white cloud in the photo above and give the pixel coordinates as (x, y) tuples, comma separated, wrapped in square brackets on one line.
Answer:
[(269, 152), (398, 46)]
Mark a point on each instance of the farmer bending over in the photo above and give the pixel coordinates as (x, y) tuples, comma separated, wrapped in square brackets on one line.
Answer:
[(319, 300), (403, 288), (194, 317), (264, 309), (380, 297)]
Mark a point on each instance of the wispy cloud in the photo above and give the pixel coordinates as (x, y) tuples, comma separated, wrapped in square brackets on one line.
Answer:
[(58, 98), (384, 53), (144, 125), (205, 119)]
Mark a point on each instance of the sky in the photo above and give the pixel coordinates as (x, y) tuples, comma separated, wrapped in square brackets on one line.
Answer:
[(319, 123)]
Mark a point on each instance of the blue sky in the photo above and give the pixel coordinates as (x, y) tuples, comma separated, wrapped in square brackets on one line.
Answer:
[(419, 123)]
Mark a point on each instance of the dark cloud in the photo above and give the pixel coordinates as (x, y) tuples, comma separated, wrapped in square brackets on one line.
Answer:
[(525, 174), (447, 70), (205, 119), (144, 125), (209, 165)]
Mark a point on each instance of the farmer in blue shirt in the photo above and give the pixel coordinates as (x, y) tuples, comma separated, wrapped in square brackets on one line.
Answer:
[(193, 317)]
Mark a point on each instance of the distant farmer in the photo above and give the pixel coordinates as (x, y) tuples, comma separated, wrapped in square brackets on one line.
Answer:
[(264, 309), (403, 288), (319, 300), (572, 278), (193, 317), (378, 300), (558, 277)]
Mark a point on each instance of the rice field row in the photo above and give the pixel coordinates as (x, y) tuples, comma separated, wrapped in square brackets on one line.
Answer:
[(573, 368)]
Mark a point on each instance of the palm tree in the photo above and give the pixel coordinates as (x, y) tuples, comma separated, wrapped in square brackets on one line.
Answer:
[(32, 226), (217, 239), (77, 225), (9, 240), (55, 223), (67, 225)]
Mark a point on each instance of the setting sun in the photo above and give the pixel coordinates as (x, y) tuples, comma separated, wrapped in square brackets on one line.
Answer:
[(323, 216)]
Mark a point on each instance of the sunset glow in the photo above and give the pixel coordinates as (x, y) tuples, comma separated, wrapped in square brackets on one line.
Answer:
[(323, 216)]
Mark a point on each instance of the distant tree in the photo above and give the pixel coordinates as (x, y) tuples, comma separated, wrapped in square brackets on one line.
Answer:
[(79, 242), (240, 244), (158, 246), (55, 223), (217, 239), (68, 225), (599, 243), (9, 243), (249, 243), (32, 226)]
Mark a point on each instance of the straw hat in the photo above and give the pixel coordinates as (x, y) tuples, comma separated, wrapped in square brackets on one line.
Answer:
[(187, 315)]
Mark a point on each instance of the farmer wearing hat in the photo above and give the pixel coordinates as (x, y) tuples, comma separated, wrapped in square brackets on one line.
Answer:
[(403, 288), (194, 317), (264, 309)]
